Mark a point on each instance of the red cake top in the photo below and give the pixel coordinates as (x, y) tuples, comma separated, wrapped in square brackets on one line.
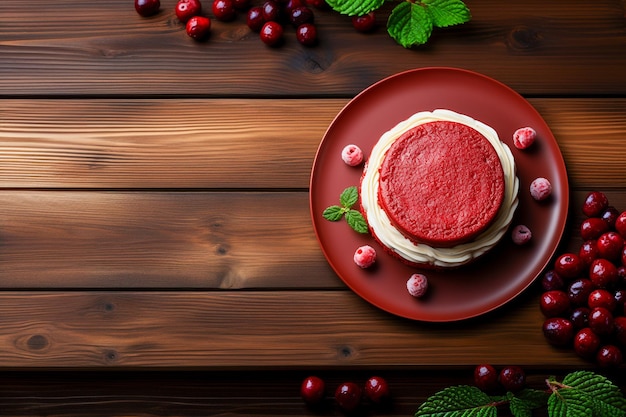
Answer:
[(441, 183)]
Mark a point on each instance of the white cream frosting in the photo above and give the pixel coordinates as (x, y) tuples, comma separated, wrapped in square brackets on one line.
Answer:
[(454, 256)]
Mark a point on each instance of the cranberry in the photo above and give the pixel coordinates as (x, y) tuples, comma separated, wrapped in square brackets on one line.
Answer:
[(271, 11), (312, 390), (568, 266), (348, 396), (377, 389), (578, 291), (558, 331), (586, 343), (592, 228), (486, 378), (352, 155), (186, 9), (609, 356), (301, 15), (255, 20), (364, 256), (620, 224), (272, 33), (512, 378), (595, 203), (306, 34), (417, 285), (588, 252), (580, 317), (224, 10), (601, 298), (147, 7), (554, 303), (601, 321), (198, 27), (540, 189), (521, 234), (552, 281), (620, 330), (610, 245), (364, 23), (609, 216), (603, 273), (292, 4)]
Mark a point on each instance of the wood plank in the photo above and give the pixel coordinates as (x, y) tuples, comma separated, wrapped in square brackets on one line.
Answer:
[(256, 330), (206, 143), (71, 48)]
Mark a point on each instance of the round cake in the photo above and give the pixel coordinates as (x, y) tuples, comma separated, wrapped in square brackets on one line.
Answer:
[(439, 189)]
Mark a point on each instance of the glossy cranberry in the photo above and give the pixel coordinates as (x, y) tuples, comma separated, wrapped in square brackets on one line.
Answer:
[(364, 23), (586, 343), (312, 390), (186, 9), (255, 20), (558, 331), (568, 266), (147, 7), (512, 378), (348, 396), (595, 203), (603, 273), (620, 224), (610, 216), (593, 228), (377, 389), (290, 5), (241, 4), (300, 16), (601, 321), (580, 317), (486, 378), (601, 298), (552, 281), (588, 252), (271, 11), (554, 303), (224, 10), (306, 34), (610, 245), (272, 33), (609, 356), (198, 27), (578, 291)]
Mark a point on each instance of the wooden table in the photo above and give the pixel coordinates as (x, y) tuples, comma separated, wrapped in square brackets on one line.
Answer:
[(157, 255)]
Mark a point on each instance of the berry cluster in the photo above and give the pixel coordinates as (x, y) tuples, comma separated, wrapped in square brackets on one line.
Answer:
[(348, 395), (510, 378), (585, 293)]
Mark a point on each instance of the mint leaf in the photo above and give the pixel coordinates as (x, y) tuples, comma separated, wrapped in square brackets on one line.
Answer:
[(333, 213), (525, 401), (600, 394), (410, 24), (446, 13), (569, 403), (349, 197), (356, 221), (458, 401), (355, 7)]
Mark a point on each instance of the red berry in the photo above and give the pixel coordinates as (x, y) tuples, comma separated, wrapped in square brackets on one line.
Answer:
[(601, 321), (595, 203), (620, 224), (348, 396), (601, 298), (524, 137), (271, 33), (603, 273), (312, 390), (588, 252), (540, 189), (609, 215), (198, 27), (620, 331), (512, 378), (609, 356), (364, 23), (558, 331), (271, 11), (147, 7), (568, 266), (301, 15), (586, 343), (610, 246), (306, 34), (552, 281), (521, 234), (377, 389), (578, 291), (224, 10), (186, 9), (292, 4), (554, 303), (255, 20), (580, 317), (486, 378), (592, 228)]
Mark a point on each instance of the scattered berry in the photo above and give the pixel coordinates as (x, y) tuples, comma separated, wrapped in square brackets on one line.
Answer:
[(558, 331), (595, 203), (609, 356), (578, 291), (592, 228), (512, 378), (568, 266), (364, 23), (586, 343), (601, 321), (312, 390), (588, 252), (348, 396), (486, 378), (255, 20), (365, 256), (352, 155), (601, 298), (377, 389), (186, 9), (147, 7), (554, 303), (620, 224), (198, 27), (417, 285), (271, 11), (580, 317), (521, 234), (552, 281), (306, 34), (524, 137), (271, 33), (540, 189), (610, 245), (301, 15), (603, 273), (224, 10)]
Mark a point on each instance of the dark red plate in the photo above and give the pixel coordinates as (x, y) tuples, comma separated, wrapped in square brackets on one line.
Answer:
[(497, 277)]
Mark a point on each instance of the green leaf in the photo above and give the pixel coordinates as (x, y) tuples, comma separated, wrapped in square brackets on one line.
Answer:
[(410, 24), (446, 13), (604, 397), (349, 197), (568, 403), (333, 213), (355, 7), (525, 401), (356, 221), (458, 401)]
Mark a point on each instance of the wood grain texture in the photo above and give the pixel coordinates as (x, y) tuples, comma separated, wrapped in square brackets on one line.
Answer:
[(105, 48), (238, 143)]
